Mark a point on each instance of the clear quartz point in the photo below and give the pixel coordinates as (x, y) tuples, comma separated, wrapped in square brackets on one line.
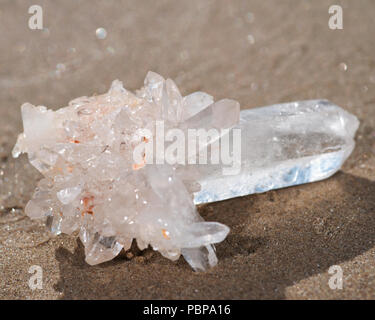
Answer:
[(283, 145)]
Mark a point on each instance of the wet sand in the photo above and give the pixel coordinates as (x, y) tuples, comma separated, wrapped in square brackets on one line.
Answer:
[(282, 243)]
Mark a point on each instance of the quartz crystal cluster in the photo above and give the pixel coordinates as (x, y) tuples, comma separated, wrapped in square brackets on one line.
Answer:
[(92, 186)]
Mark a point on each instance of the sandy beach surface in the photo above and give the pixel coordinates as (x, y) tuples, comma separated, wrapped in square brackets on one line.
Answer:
[(282, 243)]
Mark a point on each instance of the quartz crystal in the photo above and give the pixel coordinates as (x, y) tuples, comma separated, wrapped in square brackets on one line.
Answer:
[(92, 186), (283, 145)]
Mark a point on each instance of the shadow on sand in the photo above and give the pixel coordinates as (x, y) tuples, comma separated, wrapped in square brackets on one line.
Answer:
[(277, 239)]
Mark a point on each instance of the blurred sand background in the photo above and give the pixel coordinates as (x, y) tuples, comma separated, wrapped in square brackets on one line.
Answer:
[(281, 243)]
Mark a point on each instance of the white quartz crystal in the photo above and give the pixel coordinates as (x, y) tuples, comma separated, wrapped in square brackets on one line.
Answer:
[(92, 185)]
